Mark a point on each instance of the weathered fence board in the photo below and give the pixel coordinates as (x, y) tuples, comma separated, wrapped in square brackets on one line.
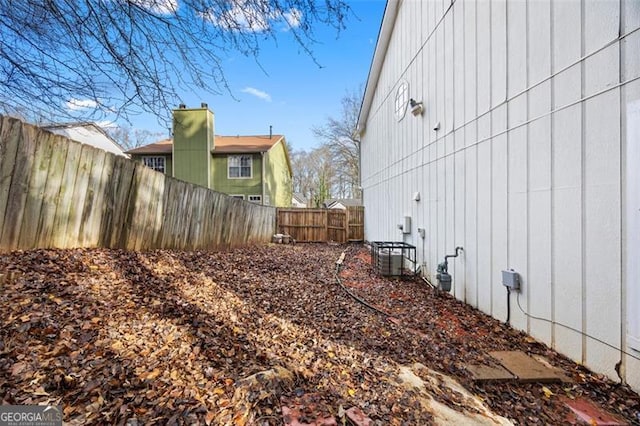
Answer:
[(92, 208), (51, 192), (59, 237), (76, 212), (321, 225), (18, 192), (35, 194), (58, 193), (9, 131), (355, 223)]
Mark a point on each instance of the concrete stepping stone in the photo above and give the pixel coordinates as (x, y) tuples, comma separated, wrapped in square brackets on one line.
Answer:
[(485, 373), (525, 368)]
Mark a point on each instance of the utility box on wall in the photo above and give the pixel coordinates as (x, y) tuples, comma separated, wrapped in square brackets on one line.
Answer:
[(406, 225), (511, 279)]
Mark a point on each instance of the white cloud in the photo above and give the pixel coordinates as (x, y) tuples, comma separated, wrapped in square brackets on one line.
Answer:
[(242, 16), (161, 7), (251, 16), (257, 93), (293, 17), (78, 104)]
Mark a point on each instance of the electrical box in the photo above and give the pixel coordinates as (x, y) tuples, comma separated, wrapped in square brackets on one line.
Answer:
[(511, 279), (406, 225)]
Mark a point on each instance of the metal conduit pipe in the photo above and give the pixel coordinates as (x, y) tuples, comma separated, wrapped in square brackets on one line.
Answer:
[(443, 276)]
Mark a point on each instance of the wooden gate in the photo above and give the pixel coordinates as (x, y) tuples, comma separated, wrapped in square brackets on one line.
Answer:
[(322, 225)]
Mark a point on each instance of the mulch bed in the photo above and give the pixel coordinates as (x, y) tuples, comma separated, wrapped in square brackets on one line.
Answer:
[(167, 337)]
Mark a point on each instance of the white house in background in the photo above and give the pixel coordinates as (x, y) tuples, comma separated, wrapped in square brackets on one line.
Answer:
[(517, 125), (299, 200), (341, 203), (89, 134)]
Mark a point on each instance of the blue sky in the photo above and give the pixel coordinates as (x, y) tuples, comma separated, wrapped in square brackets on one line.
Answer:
[(291, 92)]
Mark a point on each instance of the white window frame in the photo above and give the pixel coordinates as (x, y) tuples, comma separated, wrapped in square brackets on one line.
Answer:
[(153, 161), (231, 159), (238, 196), (255, 199), (401, 100)]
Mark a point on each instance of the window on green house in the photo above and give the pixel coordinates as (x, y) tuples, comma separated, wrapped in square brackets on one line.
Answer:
[(255, 198), (156, 163), (240, 166), (238, 196)]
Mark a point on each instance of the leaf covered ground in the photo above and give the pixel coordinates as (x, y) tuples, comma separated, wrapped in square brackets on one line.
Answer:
[(167, 337)]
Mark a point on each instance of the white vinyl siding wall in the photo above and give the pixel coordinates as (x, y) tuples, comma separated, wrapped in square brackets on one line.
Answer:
[(526, 170)]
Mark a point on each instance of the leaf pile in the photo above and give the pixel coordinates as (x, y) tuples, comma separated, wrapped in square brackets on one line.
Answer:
[(167, 337)]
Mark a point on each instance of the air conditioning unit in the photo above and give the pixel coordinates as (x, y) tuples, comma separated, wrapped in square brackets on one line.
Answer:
[(389, 263), (390, 258)]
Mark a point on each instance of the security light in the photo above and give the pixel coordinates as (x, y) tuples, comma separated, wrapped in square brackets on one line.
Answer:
[(416, 107)]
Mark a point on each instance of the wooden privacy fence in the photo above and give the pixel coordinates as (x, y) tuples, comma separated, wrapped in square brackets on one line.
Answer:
[(58, 193), (322, 225)]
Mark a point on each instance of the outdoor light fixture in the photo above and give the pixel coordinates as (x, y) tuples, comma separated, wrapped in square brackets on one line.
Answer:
[(416, 107)]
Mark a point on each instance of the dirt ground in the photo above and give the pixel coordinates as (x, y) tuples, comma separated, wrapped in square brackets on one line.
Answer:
[(168, 337)]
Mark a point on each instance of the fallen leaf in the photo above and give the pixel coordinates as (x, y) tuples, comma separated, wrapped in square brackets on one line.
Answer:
[(154, 374)]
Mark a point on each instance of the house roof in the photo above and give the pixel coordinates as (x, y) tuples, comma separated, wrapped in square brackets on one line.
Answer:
[(300, 197), (87, 133), (222, 145), (384, 37), (347, 202), (161, 147), (233, 144)]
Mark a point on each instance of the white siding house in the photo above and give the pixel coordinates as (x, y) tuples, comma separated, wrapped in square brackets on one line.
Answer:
[(527, 154), (89, 134)]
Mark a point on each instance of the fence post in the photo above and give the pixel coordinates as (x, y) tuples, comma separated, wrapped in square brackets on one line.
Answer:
[(347, 229)]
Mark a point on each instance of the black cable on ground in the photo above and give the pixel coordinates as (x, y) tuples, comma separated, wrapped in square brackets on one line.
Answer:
[(350, 293), (508, 305)]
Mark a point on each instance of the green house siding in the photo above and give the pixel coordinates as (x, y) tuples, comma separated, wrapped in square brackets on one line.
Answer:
[(237, 186), (192, 145), (168, 163), (278, 176)]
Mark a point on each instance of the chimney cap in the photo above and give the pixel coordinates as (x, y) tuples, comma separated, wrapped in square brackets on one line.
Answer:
[(182, 106), (204, 105)]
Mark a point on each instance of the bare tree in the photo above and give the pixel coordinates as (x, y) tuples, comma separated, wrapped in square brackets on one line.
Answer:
[(129, 138), (313, 175), (60, 59), (339, 136)]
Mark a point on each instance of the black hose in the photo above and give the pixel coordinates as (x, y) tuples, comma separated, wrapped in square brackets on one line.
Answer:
[(508, 304), (354, 296)]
